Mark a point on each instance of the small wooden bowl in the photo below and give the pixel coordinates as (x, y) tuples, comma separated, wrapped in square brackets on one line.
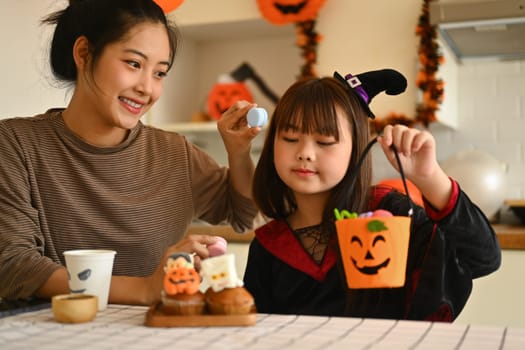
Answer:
[(74, 308)]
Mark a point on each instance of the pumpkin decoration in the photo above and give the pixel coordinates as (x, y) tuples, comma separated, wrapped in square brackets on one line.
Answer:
[(289, 11), (374, 250), (168, 5), (303, 13), (180, 275), (224, 94), (181, 280)]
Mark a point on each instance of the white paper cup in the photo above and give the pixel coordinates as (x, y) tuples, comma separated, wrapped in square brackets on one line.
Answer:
[(89, 272)]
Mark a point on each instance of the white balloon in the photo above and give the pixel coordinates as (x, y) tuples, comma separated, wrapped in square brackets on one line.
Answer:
[(481, 176)]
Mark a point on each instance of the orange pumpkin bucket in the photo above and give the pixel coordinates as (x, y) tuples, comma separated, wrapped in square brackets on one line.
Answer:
[(374, 250), (374, 246)]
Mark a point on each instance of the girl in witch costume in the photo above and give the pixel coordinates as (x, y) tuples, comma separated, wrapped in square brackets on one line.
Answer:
[(314, 160)]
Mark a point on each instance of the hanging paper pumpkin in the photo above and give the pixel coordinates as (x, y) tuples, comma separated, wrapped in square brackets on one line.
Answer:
[(169, 5), (374, 250), (223, 95), (289, 11)]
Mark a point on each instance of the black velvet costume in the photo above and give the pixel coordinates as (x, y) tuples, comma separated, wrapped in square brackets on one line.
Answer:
[(447, 250)]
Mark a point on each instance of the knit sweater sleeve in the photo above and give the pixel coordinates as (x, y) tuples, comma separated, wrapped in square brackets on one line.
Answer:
[(215, 199), (22, 244)]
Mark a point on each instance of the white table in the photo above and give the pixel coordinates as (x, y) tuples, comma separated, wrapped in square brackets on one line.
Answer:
[(121, 327)]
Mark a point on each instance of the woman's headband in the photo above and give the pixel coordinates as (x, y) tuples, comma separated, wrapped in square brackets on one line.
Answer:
[(366, 86)]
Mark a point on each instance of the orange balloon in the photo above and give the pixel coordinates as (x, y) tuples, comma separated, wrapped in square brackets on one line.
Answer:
[(397, 184), (168, 5)]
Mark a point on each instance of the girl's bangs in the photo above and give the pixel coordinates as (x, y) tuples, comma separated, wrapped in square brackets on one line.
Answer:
[(310, 112)]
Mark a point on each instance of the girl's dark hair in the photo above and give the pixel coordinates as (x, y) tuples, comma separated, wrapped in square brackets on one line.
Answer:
[(310, 104), (102, 22)]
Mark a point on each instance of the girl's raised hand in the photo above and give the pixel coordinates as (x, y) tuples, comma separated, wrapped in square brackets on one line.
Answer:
[(416, 149), (417, 154)]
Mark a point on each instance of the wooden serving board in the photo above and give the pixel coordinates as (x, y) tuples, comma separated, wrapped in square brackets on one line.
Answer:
[(155, 317)]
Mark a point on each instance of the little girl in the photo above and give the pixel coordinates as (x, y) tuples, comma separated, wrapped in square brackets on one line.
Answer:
[(309, 167)]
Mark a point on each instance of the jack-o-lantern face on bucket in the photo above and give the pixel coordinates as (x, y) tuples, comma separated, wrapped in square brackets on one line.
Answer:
[(289, 11), (223, 95), (374, 250), (181, 280), (364, 254)]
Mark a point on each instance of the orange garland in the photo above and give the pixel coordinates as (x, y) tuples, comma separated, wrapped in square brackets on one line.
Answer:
[(307, 40), (432, 88)]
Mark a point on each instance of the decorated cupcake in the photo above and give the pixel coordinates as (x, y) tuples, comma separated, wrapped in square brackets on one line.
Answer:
[(224, 291), (181, 294)]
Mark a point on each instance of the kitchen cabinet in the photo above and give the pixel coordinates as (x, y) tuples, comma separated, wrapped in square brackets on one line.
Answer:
[(497, 299)]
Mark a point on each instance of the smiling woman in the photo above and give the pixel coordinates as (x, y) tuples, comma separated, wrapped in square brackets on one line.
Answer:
[(120, 85), (92, 176)]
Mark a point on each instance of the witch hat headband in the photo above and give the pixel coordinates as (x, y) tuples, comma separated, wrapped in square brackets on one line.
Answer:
[(366, 86)]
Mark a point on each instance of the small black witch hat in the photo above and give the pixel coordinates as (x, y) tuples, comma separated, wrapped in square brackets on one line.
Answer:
[(368, 84)]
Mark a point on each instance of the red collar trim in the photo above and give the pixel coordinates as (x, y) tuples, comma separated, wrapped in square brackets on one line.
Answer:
[(279, 240)]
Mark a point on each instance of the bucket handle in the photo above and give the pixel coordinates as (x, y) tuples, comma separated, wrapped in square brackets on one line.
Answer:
[(401, 172)]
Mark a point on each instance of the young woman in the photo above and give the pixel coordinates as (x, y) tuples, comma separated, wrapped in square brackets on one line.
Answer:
[(93, 176), (310, 165)]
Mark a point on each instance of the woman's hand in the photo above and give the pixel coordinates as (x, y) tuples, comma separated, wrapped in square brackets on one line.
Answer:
[(237, 137), (235, 132)]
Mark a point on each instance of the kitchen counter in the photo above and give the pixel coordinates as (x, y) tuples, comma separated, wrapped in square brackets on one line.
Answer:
[(509, 236)]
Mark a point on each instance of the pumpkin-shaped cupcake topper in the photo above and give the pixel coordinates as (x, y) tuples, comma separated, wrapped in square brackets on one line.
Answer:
[(180, 275)]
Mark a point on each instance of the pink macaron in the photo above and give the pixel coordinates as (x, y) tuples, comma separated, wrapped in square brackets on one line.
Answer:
[(219, 247)]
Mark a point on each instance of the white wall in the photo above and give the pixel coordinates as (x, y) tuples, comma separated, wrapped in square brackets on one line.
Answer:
[(26, 87), (491, 109)]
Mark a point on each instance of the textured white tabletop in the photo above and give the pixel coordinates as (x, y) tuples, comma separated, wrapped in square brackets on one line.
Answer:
[(122, 327)]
